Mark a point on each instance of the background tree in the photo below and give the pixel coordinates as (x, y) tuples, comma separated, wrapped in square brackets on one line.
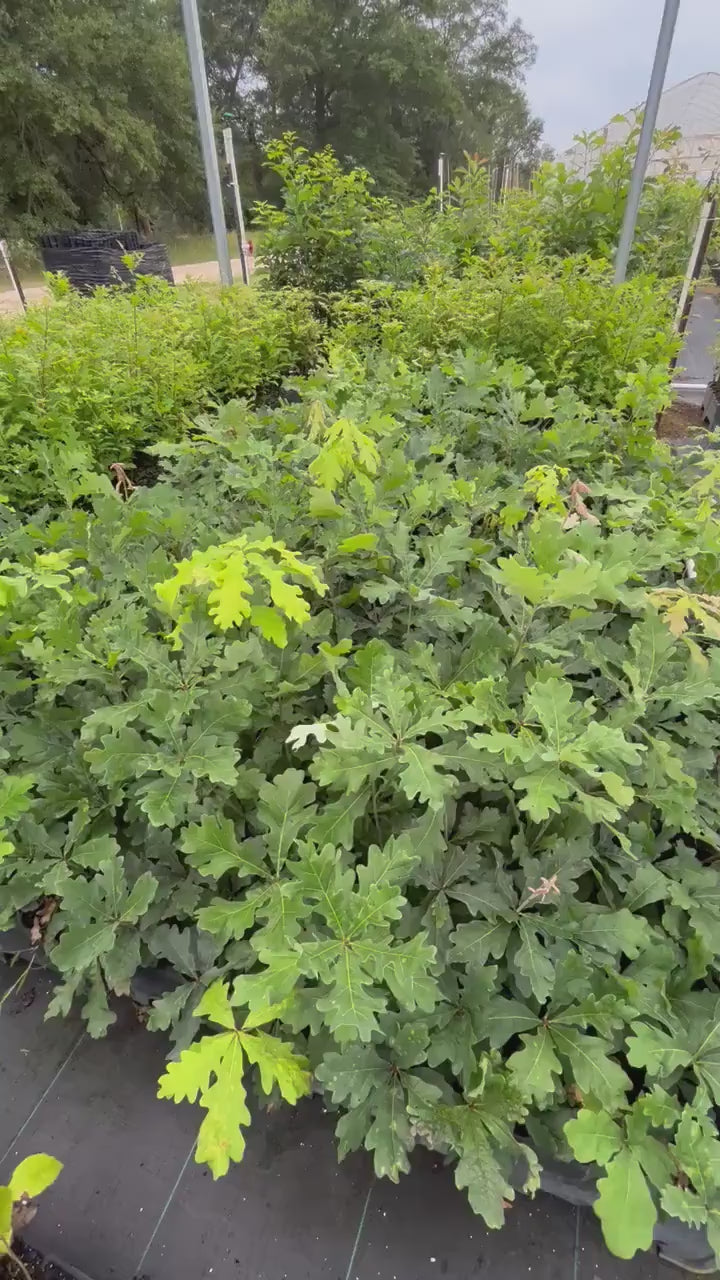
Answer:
[(387, 83), (95, 114), (96, 111)]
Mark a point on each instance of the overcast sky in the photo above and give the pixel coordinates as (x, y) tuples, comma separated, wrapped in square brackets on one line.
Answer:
[(595, 56)]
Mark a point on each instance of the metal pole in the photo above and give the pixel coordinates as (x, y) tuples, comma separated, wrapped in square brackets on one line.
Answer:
[(441, 180), (14, 279), (657, 81), (207, 137), (232, 167)]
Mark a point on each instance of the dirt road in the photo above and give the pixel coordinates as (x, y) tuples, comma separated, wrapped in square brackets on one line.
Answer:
[(207, 271)]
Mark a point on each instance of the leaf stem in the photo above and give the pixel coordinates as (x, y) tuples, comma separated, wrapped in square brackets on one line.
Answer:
[(18, 1262), (19, 982)]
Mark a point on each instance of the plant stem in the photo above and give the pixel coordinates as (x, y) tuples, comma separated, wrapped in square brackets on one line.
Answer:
[(18, 983), (17, 1261)]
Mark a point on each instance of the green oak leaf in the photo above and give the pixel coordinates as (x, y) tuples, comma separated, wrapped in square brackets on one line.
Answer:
[(656, 1051), (546, 789), (389, 1137), (352, 1003), (212, 847), (351, 1076), (679, 1202), (536, 972), (535, 1066), (593, 1137), (625, 1206), (212, 1071), (166, 800), (594, 1072)]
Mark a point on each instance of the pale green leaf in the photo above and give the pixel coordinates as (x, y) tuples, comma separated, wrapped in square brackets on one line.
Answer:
[(215, 1006), (358, 542), (270, 624), (651, 1048), (625, 1207), (593, 1136), (679, 1202)]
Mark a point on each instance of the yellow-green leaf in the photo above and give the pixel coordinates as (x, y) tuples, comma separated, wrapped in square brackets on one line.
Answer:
[(216, 1007), (270, 624), (359, 542), (6, 1204), (33, 1176), (278, 1064)]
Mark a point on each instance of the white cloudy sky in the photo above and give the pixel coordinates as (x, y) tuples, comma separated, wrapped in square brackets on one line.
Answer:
[(595, 56)]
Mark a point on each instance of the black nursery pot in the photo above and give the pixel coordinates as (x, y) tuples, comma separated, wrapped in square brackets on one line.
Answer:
[(683, 1246), (711, 403)]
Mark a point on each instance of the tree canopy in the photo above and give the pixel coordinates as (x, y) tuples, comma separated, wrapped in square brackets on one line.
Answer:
[(387, 83), (96, 110)]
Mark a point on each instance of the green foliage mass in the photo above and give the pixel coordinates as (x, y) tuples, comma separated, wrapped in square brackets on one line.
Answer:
[(316, 240), (566, 319), (570, 211), (330, 231), (94, 379), (389, 719)]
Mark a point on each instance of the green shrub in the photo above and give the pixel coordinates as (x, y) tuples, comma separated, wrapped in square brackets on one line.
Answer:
[(425, 805), (567, 320), (315, 241), (112, 373), (403, 241), (568, 212), (330, 231)]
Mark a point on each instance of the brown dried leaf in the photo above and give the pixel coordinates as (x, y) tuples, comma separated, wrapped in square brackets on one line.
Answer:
[(22, 1214), (123, 484), (677, 616), (42, 918)]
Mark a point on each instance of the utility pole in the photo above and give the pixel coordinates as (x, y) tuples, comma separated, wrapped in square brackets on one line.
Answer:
[(232, 170), (207, 136), (657, 81)]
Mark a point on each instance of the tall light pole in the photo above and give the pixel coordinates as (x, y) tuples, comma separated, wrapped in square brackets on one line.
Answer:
[(207, 137), (657, 82)]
